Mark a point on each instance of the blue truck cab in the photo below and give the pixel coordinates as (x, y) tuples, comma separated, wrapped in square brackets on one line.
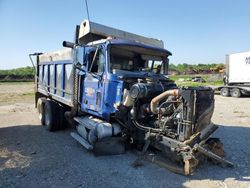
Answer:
[(104, 66), (94, 77)]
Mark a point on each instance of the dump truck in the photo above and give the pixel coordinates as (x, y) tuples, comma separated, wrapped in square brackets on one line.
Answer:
[(112, 87), (237, 77)]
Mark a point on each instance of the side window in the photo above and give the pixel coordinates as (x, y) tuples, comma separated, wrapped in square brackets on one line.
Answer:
[(158, 67), (97, 66)]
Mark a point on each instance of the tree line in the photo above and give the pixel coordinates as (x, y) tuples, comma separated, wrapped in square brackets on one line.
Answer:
[(18, 74), (27, 73), (197, 68)]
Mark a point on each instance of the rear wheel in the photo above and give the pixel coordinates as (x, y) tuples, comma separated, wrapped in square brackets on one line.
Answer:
[(235, 93), (51, 115), (63, 123), (40, 109), (224, 92)]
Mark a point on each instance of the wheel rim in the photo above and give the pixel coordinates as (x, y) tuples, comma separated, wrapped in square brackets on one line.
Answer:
[(224, 92), (235, 93)]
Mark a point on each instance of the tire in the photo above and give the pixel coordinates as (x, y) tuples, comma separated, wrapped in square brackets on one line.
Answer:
[(235, 93), (40, 109), (224, 92), (63, 123), (51, 116)]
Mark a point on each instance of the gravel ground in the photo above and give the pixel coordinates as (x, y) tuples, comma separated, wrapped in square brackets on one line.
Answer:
[(33, 157)]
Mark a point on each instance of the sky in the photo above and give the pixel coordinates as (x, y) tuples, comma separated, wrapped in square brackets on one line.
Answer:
[(195, 31)]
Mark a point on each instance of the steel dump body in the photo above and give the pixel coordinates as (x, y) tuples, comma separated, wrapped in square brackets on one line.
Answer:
[(55, 75)]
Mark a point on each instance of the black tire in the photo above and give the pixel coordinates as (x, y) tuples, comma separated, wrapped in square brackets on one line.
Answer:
[(235, 93), (40, 108), (51, 116), (224, 92), (63, 123)]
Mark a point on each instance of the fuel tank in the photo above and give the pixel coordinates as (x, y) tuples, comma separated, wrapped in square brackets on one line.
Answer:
[(93, 129)]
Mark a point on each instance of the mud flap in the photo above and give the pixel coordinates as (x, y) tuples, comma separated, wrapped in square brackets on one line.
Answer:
[(109, 146)]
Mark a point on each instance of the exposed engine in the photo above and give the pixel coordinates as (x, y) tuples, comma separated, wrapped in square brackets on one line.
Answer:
[(155, 112), (162, 108)]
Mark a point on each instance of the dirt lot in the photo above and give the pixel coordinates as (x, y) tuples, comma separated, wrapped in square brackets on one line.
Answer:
[(33, 157)]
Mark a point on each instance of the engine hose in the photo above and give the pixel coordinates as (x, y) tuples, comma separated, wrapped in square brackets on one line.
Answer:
[(139, 126), (155, 101)]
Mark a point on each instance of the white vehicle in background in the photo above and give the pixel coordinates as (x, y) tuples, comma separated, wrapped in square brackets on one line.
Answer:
[(237, 77)]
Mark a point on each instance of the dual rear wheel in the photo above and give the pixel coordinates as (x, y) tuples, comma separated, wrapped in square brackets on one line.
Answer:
[(235, 92), (51, 114)]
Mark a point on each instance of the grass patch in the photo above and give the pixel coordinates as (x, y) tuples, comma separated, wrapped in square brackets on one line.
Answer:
[(185, 80), (194, 84), (28, 94), (14, 83), (16, 80)]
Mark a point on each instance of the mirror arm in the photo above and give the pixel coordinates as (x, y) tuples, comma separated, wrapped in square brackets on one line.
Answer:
[(79, 68)]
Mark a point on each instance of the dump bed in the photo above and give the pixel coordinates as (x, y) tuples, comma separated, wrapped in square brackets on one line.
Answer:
[(55, 75)]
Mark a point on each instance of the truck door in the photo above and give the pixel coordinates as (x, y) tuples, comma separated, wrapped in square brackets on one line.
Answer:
[(93, 82)]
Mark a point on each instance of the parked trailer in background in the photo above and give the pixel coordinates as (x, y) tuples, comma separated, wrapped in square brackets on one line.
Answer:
[(237, 77)]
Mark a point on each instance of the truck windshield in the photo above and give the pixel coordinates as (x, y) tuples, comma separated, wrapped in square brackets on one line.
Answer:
[(131, 58)]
